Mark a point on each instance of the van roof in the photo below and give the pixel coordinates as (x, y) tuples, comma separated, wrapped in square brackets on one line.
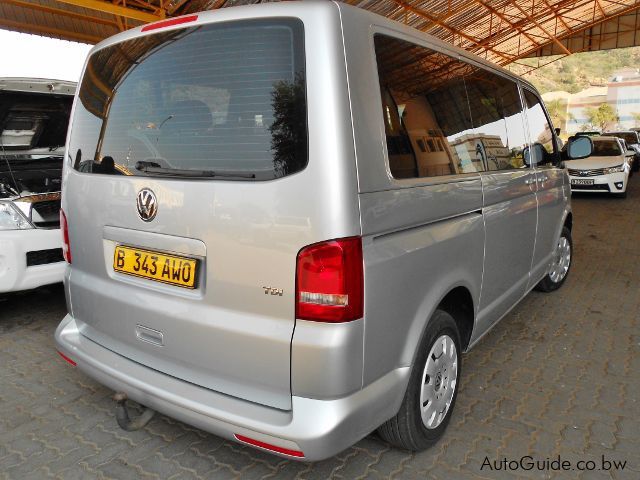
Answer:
[(294, 9)]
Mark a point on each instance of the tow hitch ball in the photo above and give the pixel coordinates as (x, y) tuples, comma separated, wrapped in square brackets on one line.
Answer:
[(122, 414)]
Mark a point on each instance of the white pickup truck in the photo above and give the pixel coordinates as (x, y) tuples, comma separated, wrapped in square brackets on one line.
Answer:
[(34, 116)]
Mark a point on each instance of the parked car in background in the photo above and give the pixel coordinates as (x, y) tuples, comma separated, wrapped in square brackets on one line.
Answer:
[(413, 190), (607, 170), (34, 116), (628, 153), (587, 133), (632, 140)]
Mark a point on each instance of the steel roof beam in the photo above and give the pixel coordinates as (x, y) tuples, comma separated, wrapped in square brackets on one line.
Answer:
[(557, 15), (525, 24), (582, 28), (58, 11), (537, 24), (450, 29), (504, 18), (107, 7), (48, 31)]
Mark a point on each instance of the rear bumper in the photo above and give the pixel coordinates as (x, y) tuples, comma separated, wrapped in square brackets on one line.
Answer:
[(318, 428), (15, 275)]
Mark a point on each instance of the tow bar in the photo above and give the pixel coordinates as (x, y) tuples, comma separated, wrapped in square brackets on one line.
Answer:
[(122, 414)]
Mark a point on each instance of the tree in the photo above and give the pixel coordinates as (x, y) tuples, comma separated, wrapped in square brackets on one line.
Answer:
[(289, 128), (600, 117), (558, 112), (636, 118)]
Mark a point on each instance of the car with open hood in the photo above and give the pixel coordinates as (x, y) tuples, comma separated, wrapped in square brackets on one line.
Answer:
[(34, 116)]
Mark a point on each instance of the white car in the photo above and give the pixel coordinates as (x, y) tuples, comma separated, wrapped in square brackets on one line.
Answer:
[(34, 116), (605, 171)]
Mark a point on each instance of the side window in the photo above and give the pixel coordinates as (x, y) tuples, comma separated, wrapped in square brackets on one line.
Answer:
[(544, 148), (401, 155), (426, 112), (496, 111)]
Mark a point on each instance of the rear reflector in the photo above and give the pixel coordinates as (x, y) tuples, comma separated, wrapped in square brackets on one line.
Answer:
[(267, 446), (67, 359), (170, 23), (64, 229), (330, 281)]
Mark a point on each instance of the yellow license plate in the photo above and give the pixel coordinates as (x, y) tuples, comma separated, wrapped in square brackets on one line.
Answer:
[(159, 267)]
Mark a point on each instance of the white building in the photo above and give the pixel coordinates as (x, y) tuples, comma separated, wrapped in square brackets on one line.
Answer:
[(624, 95), (622, 92)]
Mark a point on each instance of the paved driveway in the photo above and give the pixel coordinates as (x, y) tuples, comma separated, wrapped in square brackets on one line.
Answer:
[(558, 376)]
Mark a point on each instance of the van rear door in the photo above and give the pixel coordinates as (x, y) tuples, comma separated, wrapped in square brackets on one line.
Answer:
[(185, 212)]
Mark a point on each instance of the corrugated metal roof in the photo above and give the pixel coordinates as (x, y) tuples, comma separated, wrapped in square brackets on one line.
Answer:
[(53, 19), (502, 31)]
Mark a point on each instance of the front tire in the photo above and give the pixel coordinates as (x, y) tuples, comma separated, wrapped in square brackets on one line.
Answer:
[(432, 390), (560, 265)]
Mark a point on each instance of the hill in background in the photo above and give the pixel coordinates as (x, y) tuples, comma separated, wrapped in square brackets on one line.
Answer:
[(579, 71)]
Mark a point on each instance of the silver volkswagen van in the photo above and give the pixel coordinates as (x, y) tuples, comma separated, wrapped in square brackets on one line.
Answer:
[(284, 223)]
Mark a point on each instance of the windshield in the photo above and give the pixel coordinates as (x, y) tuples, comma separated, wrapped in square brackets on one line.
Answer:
[(606, 148), (221, 100)]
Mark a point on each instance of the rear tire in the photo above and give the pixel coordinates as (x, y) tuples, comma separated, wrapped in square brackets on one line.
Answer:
[(562, 257), (432, 390)]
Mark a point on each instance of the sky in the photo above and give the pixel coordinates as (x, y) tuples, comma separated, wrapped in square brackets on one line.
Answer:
[(26, 55)]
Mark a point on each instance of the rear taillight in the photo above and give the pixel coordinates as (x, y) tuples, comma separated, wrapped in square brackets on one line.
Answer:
[(330, 281), (64, 228)]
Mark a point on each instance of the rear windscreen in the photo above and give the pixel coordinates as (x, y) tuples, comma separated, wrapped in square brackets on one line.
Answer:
[(223, 101)]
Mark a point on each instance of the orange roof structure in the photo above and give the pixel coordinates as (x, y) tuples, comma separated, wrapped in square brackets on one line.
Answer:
[(502, 31)]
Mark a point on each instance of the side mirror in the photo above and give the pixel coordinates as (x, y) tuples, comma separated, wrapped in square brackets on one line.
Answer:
[(579, 147), (630, 153), (534, 155)]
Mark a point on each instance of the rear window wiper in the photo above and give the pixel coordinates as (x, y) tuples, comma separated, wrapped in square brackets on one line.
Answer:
[(186, 172)]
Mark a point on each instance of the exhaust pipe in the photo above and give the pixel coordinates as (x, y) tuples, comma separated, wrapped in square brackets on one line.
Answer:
[(123, 418)]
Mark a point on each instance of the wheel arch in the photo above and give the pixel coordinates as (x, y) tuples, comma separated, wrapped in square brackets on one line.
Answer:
[(459, 301), (568, 221), (459, 304)]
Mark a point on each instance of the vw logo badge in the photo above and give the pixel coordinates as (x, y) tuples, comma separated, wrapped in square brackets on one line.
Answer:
[(147, 204)]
